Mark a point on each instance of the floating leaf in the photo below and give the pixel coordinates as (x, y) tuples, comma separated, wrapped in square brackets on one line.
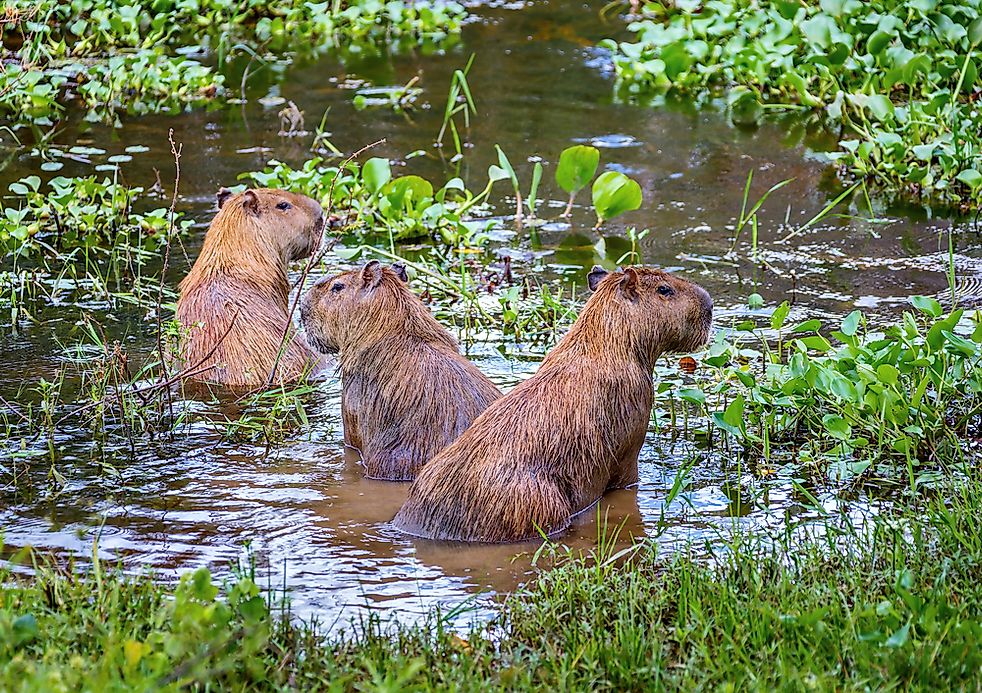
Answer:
[(577, 166), (614, 193), (376, 173)]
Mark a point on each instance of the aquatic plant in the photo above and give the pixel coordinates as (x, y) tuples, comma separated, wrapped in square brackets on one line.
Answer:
[(899, 79), (368, 199), (79, 213), (902, 398), (121, 57), (613, 192)]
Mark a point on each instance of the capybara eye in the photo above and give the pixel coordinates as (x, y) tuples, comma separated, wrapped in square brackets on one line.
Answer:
[(337, 287), (283, 205), (665, 290)]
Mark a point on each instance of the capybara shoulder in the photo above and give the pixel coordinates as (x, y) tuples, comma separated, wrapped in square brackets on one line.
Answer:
[(234, 303), (554, 444), (406, 391)]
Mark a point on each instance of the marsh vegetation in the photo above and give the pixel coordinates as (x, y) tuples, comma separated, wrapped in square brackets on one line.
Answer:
[(808, 506)]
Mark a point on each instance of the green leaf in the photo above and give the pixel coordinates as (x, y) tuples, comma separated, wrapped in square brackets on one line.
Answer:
[(577, 165), (755, 301), (731, 420), (614, 193), (899, 638), (838, 427), (496, 173), (887, 374), (877, 42), (779, 315), (807, 326), (975, 32), (376, 173), (851, 323), (25, 629), (817, 343), (926, 305), (506, 166), (880, 106), (970, 177), (693, 395)]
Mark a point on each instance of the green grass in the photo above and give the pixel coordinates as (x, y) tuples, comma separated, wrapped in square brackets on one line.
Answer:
[(896, 605)]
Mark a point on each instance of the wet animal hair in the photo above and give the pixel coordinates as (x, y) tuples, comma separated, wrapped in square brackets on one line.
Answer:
[(234, 301), (553, 445), (406, 390)]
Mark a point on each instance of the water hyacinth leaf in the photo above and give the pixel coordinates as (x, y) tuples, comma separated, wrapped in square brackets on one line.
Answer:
[(888, 374), (577, 166), (970, 177), (877, 42), (838, 427), (496, 173), (851, 323), (880, 106), (506, 166), (731, 419), (779, 315), (807, 326), (975, 32), (693, 395), (376, 173), (815, 343), (614, 193), (927, 305)]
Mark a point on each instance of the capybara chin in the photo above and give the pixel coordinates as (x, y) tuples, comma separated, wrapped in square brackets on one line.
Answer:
[(234, 303), (554, 444), (406, 391)]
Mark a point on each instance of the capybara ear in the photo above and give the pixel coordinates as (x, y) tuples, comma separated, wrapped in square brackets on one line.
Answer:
[(595, 277), (223, 195), (250, 202), (371, 274), (400, 270), (629, 284)]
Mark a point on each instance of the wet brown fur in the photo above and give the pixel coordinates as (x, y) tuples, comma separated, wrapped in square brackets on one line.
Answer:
[(406, 390), (553, 445), (241, 276)]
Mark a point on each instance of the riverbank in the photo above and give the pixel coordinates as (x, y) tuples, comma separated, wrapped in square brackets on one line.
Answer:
[(894, 604)]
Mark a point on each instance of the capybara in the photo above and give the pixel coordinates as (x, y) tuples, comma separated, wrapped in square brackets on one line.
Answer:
[(554, 444), (406, 391), (234, 302)]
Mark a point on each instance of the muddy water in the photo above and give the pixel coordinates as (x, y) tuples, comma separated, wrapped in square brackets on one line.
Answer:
[(303, 510)]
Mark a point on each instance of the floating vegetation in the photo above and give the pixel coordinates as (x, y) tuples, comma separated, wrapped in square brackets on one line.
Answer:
[(115, 57), (899, 79), (905, 397)]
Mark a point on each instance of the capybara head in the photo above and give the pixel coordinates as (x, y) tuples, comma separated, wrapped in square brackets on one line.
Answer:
[(288, 223), (663, 313), (358, 307)]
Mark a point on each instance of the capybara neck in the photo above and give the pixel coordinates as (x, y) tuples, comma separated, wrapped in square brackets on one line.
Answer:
[(235, 249), (636, 316)]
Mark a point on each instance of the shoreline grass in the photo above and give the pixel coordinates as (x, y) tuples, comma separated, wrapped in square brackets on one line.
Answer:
[(895, 604)]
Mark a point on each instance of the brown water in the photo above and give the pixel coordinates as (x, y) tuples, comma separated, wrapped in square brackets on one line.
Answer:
[(305, 511)]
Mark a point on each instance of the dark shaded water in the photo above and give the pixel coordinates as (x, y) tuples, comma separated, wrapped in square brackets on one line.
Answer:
[(304, 510)]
